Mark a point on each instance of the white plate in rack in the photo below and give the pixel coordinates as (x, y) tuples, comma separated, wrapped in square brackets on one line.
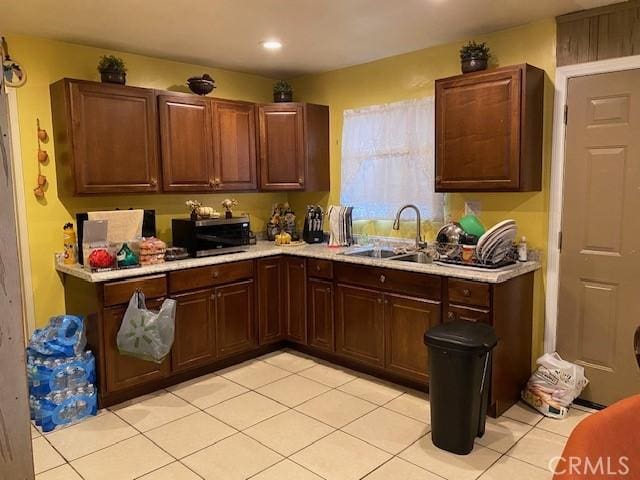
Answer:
[(507, 227)]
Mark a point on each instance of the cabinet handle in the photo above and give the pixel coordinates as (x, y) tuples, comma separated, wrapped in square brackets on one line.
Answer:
[(466, 292), (451, 315), (383, 279), (328, 289), (216, 181), (379, 300), (219, 294), (317, 268), (212, 182), (216, 274), (386, 302), (153, 182)]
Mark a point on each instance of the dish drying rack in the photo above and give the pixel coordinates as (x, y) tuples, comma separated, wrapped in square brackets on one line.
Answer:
[(452, 254)]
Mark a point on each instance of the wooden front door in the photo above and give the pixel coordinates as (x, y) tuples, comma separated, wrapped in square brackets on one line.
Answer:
[(115, 141), (187, 151), (360, 324), (599, 305), (281, 146), (234, 141)]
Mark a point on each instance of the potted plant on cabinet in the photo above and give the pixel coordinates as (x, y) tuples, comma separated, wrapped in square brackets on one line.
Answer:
[(282, 92), (112, 69), (474, 57)]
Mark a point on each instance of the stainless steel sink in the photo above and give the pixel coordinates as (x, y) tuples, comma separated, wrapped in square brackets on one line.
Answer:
[(371, 253), (416, 257)]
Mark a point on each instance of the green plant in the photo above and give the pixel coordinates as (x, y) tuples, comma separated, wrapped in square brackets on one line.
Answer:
[(111, 63), (282, 87), (474, 50)]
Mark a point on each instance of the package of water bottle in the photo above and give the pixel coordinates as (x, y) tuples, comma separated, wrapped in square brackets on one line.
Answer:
[(49, 374), (63, 337), (64, 407)]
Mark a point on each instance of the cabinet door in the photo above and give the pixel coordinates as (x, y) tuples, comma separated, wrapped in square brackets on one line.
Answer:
[(124, 371), (114, 138), (235, 320), (478, 131), (234, 140), (187, 150), (270, 300), (320, 314), (360, 324), (282, 154), (195, 342), (406, 321), (295, 299)]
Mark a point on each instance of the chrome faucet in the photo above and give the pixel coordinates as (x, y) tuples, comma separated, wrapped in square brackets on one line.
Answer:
[(396, 223)]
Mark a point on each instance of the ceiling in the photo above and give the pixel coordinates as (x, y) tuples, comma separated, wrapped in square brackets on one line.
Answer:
[(317, 35)]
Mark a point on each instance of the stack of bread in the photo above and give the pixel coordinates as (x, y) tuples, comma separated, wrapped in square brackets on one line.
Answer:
[(152, 251)]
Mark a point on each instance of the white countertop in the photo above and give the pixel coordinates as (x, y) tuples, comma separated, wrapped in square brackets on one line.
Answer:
[(266, 249)]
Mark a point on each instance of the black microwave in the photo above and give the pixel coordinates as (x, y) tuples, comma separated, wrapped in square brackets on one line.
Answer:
[(211, 236)]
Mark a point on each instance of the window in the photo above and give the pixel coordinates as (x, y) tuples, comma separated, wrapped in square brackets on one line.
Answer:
[(388, 160)]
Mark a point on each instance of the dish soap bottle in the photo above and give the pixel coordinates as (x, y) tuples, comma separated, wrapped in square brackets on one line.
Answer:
[(522, 250)]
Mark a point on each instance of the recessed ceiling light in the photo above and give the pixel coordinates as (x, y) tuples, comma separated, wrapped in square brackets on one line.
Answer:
[(271, 44)]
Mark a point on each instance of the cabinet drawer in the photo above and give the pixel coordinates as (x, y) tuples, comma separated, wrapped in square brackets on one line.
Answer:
[(408, 283), (469, 293), (117, 293), (212, 275), (458, 312), (320, 268)]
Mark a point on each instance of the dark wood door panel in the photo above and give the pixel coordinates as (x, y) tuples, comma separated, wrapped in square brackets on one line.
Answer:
[(195, 342), (295, 304), (281, 146), (359, 324), (235, 319), (271, 319), (186, 140), (124, 371), (478, 131), (320, 329), (235, 156), (114, 138)]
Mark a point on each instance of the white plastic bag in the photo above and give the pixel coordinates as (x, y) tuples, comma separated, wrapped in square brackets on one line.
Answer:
[(146, 334), (554, 385)]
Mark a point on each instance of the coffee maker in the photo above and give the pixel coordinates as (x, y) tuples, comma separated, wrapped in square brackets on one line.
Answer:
[(313, 222)]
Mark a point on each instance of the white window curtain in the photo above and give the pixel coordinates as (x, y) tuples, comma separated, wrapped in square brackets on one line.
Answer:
[(388, 160)]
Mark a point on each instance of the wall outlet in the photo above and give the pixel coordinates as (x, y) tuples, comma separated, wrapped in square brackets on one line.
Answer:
[(472, 208)]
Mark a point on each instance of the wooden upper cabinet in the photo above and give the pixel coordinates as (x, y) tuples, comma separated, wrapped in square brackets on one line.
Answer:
[(294, 146), (105, 136), (234, 141), (187, 143), (489, 130)]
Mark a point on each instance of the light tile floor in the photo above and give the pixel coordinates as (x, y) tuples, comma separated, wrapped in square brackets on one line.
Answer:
[(289, 416)]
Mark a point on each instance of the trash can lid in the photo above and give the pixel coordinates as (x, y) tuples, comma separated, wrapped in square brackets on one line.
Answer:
[(462, 335)]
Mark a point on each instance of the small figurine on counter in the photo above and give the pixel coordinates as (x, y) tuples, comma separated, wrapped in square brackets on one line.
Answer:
[(198, 211), (228, 204), (70, 245)]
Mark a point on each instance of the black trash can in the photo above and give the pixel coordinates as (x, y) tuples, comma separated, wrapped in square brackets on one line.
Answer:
[(460, 376)]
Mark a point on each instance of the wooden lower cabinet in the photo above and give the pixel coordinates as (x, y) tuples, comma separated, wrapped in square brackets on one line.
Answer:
[(406, 320), (359, 318), (235, 320), (295, 304), (123, 371), (195, 334), (320, 314), (270, 311)]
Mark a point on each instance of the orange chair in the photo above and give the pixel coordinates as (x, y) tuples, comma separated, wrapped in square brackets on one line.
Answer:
[(604, 445)]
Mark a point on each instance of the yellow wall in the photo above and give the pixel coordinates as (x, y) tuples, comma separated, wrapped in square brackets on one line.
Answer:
[(47, 61), (412, 76)]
